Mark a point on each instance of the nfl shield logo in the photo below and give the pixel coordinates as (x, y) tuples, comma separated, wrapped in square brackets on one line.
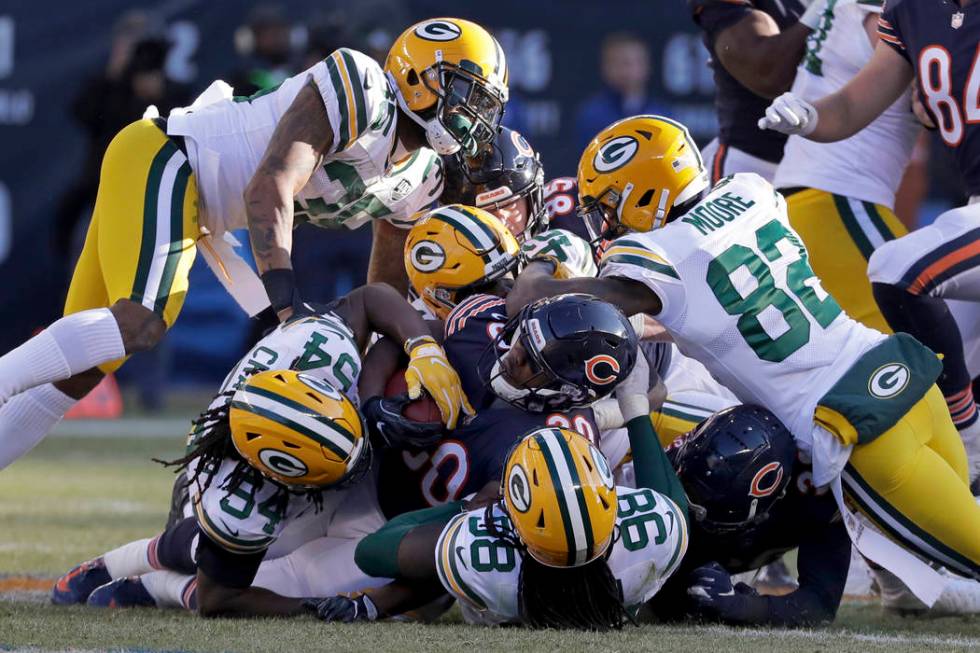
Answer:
[(957, 21)]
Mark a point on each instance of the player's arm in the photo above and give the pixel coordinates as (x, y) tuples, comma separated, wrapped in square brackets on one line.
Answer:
[(387, 256), (298, 145), (760, 56), (224, 587), (537, 281), (823, 563)]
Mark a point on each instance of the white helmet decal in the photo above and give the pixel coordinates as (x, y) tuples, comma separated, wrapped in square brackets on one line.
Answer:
[(427, 256), (519, 489), (615, 153), (438, 30)]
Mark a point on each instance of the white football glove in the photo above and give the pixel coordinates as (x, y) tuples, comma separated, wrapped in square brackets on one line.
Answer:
[(790, 115), (631, 393), (567, 248)]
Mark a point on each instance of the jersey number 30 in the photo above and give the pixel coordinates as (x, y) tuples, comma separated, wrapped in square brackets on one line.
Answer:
[(767, 297)]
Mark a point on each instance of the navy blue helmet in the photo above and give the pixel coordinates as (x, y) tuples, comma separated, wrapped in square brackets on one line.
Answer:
[(560, 353), (508, 168), (734, 466)]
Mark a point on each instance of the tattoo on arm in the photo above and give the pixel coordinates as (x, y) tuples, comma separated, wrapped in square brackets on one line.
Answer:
[(298, 146)]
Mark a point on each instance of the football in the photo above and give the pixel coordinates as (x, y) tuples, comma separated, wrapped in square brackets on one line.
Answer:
[(423, 409)]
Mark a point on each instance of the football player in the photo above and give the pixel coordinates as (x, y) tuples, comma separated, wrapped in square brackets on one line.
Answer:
[(912, 276), (722, 270), (754, 47), (752, 499), (562, 547), (341, 144), (268, 459)]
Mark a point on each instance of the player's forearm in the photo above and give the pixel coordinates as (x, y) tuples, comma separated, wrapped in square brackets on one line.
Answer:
[(216, 600), (391, 315), (399, 597), (386, 264), (380, 363), (269, 209), (760, 56), (404, 548), (650, 464)]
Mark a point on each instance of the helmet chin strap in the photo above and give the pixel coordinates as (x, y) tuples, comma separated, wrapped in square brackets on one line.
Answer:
[(438, 137)]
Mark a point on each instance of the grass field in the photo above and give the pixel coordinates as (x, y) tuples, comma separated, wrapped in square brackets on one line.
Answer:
[(73, 498)]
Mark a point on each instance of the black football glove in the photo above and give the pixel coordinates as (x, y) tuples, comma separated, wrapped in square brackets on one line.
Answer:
[(343, 608), (713, 597), (390, 428)]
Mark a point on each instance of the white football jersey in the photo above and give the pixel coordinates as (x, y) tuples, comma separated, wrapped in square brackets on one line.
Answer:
[(739, 296), (836, 51), (250, 519), (357, 182), (482, 571)]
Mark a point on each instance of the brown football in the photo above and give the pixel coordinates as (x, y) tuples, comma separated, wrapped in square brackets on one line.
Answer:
[(422, 409)]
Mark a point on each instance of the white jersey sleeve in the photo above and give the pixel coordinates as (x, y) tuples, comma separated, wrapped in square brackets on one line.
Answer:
[(483, 571), (631, 258), (355, 92)]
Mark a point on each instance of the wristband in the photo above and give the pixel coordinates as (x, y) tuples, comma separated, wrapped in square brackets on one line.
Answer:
[(280, 286), (412, 343)]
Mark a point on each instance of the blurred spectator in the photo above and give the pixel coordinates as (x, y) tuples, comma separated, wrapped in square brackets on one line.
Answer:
[(132, 80), (265, 46), (625, 72)]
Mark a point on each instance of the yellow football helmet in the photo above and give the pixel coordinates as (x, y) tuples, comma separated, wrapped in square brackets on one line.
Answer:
[(453, 249), (451, 78), (299, 430), (633, 172), (559, 494)]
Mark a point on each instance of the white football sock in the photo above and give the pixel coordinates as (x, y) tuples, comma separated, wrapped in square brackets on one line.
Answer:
[(71, 345), (27, 418), (971, 443), (168, 588), (131, 559)]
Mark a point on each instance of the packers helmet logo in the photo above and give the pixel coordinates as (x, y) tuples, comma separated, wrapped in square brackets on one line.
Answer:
[(615, 154), (602, 467), (283, 463), (438, 30), (602, 369), (427, 256), (889, 380), (519, 489), (760, 486), (320, 386)]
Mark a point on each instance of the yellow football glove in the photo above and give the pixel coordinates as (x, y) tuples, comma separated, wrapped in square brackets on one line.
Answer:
[(428, 368)]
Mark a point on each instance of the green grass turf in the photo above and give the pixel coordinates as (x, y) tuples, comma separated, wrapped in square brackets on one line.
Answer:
[(72, 499)]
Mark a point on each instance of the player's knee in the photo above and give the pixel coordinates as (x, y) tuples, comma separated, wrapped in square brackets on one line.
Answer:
[(880, 265), (176, 546), (79, 385), (140, 327)]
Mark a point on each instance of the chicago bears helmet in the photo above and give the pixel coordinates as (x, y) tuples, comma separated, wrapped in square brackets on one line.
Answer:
[(559, 493), (299, 431), (450, 77), (634, 172), (569, 351), (734, 466), (499, 174)]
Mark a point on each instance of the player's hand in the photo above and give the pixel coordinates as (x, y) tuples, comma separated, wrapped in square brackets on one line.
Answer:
[(429, 368), (713, 596), (346, 609), (573, 255), (789, 114), (392, 429), (631, 393)]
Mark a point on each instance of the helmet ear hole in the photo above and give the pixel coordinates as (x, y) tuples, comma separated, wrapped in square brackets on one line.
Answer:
[(251, 436), (314, 397), (290, 445), (412, 77), (646, 198), (540, 523)]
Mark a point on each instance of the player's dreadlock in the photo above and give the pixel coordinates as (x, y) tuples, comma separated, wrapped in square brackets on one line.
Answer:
[(581, 598), (210, 444)]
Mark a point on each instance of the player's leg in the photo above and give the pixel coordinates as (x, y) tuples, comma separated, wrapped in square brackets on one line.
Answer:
[(898, 481), (147, 195), (911, 278), (840, 235)]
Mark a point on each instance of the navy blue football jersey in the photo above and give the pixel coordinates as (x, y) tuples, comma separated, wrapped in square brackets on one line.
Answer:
[(467, 459), (941, 41), (738, 108), (470, 329), (561, 204)]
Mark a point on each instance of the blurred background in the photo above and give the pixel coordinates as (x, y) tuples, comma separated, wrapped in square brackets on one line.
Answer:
[(71, 77)]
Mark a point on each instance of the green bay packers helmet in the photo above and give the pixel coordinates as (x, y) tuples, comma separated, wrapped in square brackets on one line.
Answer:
[(299, 431), (559, 493), (634, 172), (451, 79), (455, 249)]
